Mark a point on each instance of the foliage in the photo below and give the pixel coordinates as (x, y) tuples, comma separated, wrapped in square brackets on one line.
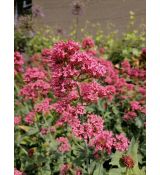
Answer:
[(30, 38), (44, 38), (118, 47)]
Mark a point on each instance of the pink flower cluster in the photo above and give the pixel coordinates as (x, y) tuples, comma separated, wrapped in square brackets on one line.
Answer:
[(34, 74), (64, 145), (44, 106), (78, 172), (88, 64), (91, 92), (79, 78), (17, 172), (135, 105), (17, 120), (106, 141), (126, 67), (64, 169), (63, 50), (75, 76), (103, 142), (129, 116), (69, 114), (69, 80), (88, 43), (18, 62), (133, 72), (89, 129), (92, 131), (46, 56), (70, 67), (121, 142), (30, 118), (35, 89), (102, 50), (44, 131), (132, 90)]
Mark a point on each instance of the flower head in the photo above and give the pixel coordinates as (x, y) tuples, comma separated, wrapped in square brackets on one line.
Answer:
[(17, 172), (127, 161), (87, 43), (64, 145), (44, 106), (17, 120), (30, 118), (34, 74), (135, 105), (129, 116), (77, 8), (121, 143), (103, 141), (64, 169), (35, 89), (18, 62)]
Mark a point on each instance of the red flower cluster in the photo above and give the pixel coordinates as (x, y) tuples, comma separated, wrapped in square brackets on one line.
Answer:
[(88, 43), (18, 62)]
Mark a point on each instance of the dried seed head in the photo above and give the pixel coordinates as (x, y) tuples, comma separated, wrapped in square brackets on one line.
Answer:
[(60, 31), (127, 161), (77, 8), (37, 11)]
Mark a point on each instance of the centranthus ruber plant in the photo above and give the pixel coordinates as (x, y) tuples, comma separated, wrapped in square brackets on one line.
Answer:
[(75, 112)]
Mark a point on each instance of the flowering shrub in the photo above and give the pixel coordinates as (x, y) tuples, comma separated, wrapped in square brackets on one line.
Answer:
[(77, 113)]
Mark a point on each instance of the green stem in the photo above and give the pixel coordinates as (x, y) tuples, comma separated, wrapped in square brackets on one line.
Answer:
[(87, 159), (127, 170), (100, 167), (50, 135), (76, 28)]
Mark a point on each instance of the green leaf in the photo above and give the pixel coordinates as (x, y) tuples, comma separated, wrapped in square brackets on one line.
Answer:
[(115, 111), (115, 159), (92, 167), (135, 52), (115, 171), (138, 122), (133, 151), (99, 170), (32, 131), (24, 128)]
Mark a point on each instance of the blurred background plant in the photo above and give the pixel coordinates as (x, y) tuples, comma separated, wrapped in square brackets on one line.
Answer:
[(31, 38)]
